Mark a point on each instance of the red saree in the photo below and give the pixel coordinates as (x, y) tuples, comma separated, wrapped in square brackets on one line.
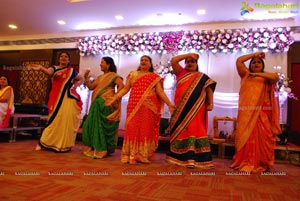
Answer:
[(257, 125), (143, 117), (189, 145)]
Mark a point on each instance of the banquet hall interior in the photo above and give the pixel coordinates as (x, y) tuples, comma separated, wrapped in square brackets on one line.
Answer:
[(36, 32)]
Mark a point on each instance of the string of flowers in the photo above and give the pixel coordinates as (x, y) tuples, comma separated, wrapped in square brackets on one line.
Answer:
[(275, 39), (283, 89)]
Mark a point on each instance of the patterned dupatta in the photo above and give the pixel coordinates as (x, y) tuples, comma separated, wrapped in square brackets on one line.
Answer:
[(106, 80), (10, 106), (61, 83), (250, 107), (142, 94), (192, 99)]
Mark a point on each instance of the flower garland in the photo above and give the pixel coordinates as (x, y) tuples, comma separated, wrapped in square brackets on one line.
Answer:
[(224, 40), (283, 89)]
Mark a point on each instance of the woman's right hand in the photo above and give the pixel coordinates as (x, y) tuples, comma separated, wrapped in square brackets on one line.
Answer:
[(35, 67), (195, 56), (261, 55), (111, 101), (86, 74)]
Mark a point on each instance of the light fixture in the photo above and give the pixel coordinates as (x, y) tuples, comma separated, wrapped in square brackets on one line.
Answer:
[(12, 26), (166, 19), (201, 12), (76, 1), (119, 17), (92, 26), (61, 22)]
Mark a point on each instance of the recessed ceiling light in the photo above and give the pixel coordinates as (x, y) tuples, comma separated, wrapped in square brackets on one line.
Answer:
[(201, 12), (166, 19), (61, 22), (76, 1), (119, 17), (12, 26), (92, 25)]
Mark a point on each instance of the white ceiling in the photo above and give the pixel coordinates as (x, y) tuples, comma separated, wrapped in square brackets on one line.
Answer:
[(35, 17)]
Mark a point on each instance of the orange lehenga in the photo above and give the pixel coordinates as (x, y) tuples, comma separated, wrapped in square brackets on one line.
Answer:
[(6, 108), (189, 144), (64, 107), (143, 118), (257, 126)]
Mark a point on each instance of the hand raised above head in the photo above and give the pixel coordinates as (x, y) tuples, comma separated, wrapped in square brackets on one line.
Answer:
[(261, 55), (195, 56)]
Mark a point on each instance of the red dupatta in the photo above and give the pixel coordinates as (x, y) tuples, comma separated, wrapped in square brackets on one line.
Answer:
[(141, 94), (61, 83)]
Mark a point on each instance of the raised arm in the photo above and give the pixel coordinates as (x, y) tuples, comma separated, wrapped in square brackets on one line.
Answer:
[(78, 80), (89, 84), (175, 61), (240, 65), (38, 67)]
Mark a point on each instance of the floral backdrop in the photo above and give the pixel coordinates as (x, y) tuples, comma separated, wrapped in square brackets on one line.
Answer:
[(276, 39), (213, 45)]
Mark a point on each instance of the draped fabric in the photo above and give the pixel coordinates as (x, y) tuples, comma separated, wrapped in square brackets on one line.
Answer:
[(143, 118), (99, 130), (189, 144), (257, 125), (64, 107), (6, 108)]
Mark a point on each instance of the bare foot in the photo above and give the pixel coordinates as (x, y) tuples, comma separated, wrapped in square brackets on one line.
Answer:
[(38, 148)]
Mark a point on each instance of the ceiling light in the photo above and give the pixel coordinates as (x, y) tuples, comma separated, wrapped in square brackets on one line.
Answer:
[(92, 25), (12, 26), (119, 17), (61, 22), (166, 19), (76, 1), (201, 12)]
